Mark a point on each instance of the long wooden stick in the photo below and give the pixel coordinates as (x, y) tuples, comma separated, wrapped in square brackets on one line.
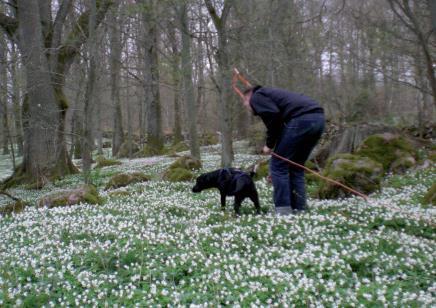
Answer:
[(238, 76), (365, 197)]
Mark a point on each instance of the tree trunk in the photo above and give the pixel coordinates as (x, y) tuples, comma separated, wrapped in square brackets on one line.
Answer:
[(77, 118), (4, 95), (16, 99), (175, 75), (224, 82), (129, 118), (88, 140), (45, 155), (47, 61), (115, 63), (188, 88), (151, 74), (201, 103)]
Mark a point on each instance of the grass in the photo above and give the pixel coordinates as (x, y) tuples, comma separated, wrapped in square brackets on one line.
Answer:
[(163, 245)]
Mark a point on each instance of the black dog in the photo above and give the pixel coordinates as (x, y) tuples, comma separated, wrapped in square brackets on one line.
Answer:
[(230, 182)]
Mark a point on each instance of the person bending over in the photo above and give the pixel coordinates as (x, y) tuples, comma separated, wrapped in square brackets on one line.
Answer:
[(294, 125)]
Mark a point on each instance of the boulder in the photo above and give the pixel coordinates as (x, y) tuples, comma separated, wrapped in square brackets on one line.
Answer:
[(310, 177), (178, 175), (123, 152), (149, 151), (402, 164), (177, 147), (345, 139), (209, 139), (105, 162), (393, 151), (360, 173), (181, 169), (186, 162), (83, 194), (430, 196), (124, 179)]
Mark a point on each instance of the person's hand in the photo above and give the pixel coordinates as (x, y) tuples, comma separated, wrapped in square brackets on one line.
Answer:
[(266, 150)]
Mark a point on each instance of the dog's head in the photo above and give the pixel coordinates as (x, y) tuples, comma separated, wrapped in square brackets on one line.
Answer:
[(204, 181), (215, 179)]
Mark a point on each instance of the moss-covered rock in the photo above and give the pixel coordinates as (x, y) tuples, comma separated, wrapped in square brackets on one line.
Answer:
[(105, 162), (124, 149), (177, 147), (124, 179), (178, 175), (310, 177), (13, 207), (149, 151), (402, 164), (209, 139), (386, 149), (186, 162), (358, 172), (84, 194), (430, 196)]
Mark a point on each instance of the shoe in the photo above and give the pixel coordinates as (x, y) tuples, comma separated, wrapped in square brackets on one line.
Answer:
[(283, 211)]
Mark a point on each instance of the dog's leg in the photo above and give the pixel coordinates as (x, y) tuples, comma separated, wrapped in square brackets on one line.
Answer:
[(223, 201), (255, 198), (238, 201)]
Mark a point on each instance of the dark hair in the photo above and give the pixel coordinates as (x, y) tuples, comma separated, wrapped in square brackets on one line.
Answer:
[(251, 89)]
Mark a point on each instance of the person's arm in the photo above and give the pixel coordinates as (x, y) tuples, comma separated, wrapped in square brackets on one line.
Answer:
[(270, 115)]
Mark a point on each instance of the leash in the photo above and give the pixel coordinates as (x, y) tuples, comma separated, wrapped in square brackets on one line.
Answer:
[(365, 197)]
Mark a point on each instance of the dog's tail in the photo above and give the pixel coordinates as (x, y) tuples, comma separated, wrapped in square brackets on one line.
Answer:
[(253, 171)]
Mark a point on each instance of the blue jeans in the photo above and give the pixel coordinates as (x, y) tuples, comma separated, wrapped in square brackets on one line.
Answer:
[(298, 138)]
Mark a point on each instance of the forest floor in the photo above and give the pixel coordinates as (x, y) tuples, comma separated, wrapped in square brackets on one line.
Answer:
[(160, 244)]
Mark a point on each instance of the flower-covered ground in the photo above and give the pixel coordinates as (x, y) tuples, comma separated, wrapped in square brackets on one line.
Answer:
[(163, 245)]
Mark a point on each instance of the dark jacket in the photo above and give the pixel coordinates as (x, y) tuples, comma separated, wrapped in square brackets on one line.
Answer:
[(277, 106)]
